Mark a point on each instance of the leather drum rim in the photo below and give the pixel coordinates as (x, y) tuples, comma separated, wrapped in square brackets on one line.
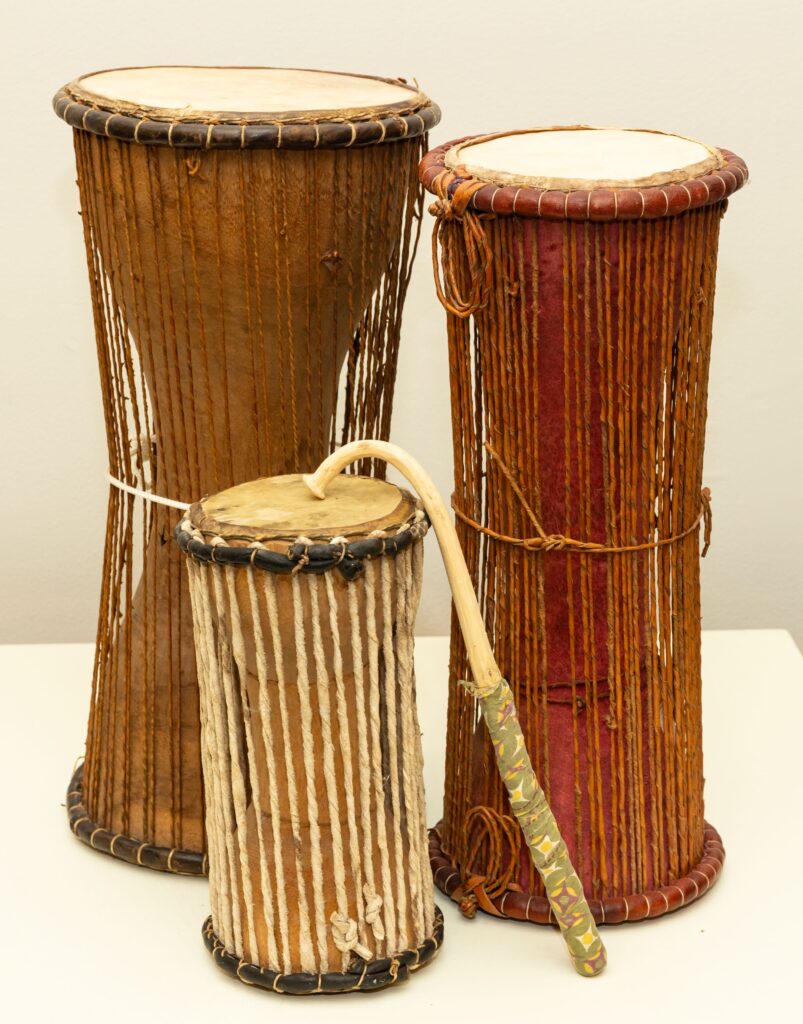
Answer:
[(176, 861), (362, 975), (598, 204), (287, 130), (523, 906)]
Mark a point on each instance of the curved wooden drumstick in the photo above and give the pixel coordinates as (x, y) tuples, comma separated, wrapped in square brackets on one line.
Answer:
[(527, 799)]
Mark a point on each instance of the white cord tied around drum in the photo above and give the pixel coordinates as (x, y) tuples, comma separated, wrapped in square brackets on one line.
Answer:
[(137, 492), (373, 912), (346, 937)]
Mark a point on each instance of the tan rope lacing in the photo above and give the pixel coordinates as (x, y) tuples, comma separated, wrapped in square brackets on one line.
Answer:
[(544, 541)]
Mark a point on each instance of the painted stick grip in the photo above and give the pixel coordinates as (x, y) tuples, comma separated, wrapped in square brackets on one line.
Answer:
[(527, 799), (547, 848)]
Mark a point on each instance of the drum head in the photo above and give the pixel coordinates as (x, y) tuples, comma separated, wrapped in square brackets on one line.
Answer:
[(206, 93), (284, 508), (582, 158)]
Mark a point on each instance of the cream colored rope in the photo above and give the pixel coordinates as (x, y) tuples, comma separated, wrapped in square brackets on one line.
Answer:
[(224, 876), (412, 766), (374, 762), (237, 701), (417, 556), (347, 765), (363, 751), (338, 859), (310, 771), (329, 775), (208, 749), (385, 569), (232, 714), (264, 706), (308, 959)]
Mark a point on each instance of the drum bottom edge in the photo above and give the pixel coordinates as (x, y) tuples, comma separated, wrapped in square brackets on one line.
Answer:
[(362, 976), (127, 848), (524, 906)]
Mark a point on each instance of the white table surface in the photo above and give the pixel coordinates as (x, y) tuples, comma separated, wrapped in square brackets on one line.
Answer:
[(88, 938)]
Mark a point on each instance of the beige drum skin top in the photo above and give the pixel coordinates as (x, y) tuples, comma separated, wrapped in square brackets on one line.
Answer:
[(284, 507), (182, 91), (582, 158)]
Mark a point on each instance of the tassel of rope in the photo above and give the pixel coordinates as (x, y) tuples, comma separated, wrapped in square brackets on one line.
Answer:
[(346, 937), (452, 214), (373, 908)]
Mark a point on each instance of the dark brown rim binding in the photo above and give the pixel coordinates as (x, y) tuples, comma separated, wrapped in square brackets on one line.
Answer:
[(348, 558), (362, 976), (601, 204), (522, 906), (123, 847), (287, 130)]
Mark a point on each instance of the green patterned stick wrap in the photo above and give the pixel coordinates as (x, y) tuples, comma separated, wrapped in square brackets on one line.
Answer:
[(527, 799), (547, 848)]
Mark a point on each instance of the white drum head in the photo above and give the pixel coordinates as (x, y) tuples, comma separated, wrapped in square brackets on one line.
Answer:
[(583, 158), (181, 92)]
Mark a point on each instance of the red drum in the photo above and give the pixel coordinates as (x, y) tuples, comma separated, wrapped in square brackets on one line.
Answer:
[(577, 267)]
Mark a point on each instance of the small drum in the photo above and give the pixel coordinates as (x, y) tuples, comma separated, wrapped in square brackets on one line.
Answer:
[(303, 609), (249, 233), (577, 267)]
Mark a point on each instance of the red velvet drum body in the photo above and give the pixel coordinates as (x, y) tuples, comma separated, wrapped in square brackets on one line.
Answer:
[(579, 322)]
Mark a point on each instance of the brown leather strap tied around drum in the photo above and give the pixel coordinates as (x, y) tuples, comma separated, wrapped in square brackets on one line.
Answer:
[(544, 541)]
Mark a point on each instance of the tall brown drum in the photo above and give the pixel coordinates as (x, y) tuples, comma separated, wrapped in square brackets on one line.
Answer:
[(577, 267), (249, 233)]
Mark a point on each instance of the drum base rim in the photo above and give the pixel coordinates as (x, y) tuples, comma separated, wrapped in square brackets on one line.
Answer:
[(524, 906), (364, 976), (123, 847)]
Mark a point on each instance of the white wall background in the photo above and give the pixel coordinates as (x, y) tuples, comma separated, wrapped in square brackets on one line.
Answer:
[(727, 73)]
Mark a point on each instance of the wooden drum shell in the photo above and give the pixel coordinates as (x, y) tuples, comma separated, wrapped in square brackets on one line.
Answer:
[(584, 367), (312, 763), (247, 308)]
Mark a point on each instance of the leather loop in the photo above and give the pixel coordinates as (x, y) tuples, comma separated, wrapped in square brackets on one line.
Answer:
[(454, 214)]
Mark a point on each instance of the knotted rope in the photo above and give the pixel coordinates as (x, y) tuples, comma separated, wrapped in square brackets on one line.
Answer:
[(453, 214), (373, 912), (346, 937), (544, 541), (500, 835)]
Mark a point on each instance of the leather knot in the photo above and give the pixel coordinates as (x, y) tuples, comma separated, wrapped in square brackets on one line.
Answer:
[(463, 242), (705, 501), (554, 542), (442, 209), (468, 905)]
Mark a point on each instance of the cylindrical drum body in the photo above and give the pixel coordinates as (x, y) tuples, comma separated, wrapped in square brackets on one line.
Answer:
[(304, 610), (578, 267), (249, 233)]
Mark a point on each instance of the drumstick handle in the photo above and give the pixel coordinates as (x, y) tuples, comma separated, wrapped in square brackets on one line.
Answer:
[(527, 799)]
